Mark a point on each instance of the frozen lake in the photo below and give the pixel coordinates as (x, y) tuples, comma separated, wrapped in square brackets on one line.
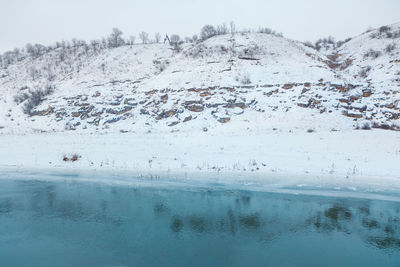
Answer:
[(75, 223)]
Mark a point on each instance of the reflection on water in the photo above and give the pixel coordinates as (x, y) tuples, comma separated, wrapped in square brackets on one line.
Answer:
[(71, 223)]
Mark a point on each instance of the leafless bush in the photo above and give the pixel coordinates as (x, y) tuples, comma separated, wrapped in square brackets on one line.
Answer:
[(365, 71), (372, 54), (385, 32), (207, 32), (21, 97), (160, 65), (390, 47), (325, 42), (269, 31), (74, 157), (384, 29), (251, 51), (34, 98), (199, 50), (340, 43), (243, 79), (309, 44), (346, 63)]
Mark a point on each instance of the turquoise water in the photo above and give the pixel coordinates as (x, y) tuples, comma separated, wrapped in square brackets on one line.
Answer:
[(71, 223)]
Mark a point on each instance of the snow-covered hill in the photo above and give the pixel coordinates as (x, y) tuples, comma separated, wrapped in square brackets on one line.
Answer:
[(248, 107), (242, 82)]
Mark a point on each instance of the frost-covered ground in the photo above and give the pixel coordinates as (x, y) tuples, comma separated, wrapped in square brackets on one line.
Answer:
[(351, 160)]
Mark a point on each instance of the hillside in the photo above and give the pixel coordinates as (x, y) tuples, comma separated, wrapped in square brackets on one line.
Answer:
[(249, 81), (250, 108)]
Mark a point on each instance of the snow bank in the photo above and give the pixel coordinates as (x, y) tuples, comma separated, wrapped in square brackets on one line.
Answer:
[(351, 160)]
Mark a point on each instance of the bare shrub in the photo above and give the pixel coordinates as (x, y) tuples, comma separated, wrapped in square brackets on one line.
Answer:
[(243, 79), (384, 29), (199, 50), (251, 51), (207, 32), (390, 47), (74, 157), (21, 97), (325, 42), (309, 44), (269, 31), (365, 71), (372, 54), (340, 43), (160, 65), (385, 32), (35, 97)]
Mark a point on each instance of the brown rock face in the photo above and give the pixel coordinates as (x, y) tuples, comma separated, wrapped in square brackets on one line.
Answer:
[(164, 97), (195, 108), (288, 86), (367, 93), (187, 119), (166, 114), (224, 120), (352, 115)]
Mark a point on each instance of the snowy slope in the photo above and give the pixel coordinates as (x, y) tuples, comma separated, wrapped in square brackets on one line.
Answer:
[(245, 82)]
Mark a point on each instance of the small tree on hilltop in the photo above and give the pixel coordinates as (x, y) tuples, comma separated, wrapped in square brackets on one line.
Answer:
[(132, 39), (208, 31), (115, 39), (157, 37), (176, 42), (232, 27), (144, 36)]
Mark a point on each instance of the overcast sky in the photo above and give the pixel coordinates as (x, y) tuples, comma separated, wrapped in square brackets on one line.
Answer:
[(47, 21)]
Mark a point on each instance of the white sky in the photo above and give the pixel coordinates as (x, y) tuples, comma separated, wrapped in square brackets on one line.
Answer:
[(47, 21)]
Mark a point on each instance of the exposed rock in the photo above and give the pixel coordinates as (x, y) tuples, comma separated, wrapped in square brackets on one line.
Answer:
[(224, 120), (366, 93), (173, 123), (195, 108), (188, 118), (166, 114)]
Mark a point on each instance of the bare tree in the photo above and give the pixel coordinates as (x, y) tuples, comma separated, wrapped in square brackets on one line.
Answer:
[(176, 42), (175, 38), (157, 37), (207, 31), (115, 38), (132, 40), (222, 29), (232, 27), (144, 36)]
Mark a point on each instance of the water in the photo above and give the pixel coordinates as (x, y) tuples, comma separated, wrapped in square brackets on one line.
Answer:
[(71, 223)]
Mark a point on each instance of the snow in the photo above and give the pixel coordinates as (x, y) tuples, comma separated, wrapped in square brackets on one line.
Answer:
[(249, 107), (365, 160)]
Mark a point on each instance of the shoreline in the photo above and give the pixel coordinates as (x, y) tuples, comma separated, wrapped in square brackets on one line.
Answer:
[(353, 161), (262, 183)]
